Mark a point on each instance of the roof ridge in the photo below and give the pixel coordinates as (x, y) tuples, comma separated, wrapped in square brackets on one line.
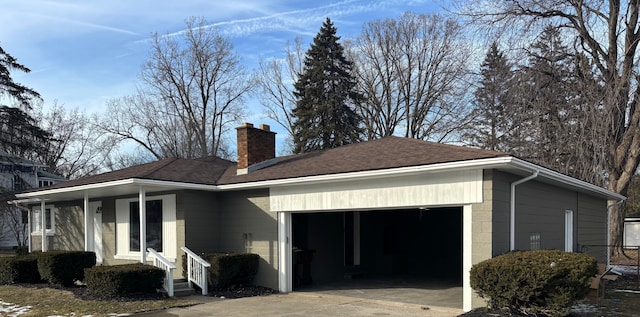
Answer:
[(165, 162), (463, 146)]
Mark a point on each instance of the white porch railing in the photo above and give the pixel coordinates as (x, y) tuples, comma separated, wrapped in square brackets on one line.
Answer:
[(167, 266), (197, 270)]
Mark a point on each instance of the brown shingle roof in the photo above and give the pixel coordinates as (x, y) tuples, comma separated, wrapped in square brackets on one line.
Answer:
[(198, 171), (389, 152)]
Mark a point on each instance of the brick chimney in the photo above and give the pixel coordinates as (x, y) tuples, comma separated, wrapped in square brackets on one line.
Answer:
[(254, 145)]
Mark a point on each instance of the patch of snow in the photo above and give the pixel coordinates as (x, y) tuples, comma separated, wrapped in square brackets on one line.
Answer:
[(626, 291), (624, 270), (584, 308), (12, 310)]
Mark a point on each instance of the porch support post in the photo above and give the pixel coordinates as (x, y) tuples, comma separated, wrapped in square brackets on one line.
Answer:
[(142, 205), (467, 257), (87, 223), (285, 272), (43, 227), (29, 228)]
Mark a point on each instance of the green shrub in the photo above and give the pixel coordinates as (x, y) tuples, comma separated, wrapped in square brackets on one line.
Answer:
[(8, 270), (56, 268), (64, 267), (22, 250), (119, 280), (27, 269), (231, 269), (534, 281), (19, 269), (81, 260)]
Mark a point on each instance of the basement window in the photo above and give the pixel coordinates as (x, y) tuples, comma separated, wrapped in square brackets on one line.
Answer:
[(534, 241)]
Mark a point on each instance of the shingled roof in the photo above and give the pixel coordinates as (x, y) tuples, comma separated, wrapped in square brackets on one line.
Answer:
[(197, 171), (389, 152), (385, 153)]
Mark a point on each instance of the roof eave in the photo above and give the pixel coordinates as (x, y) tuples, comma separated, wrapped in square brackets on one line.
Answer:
[(487, 163), (128, 181)]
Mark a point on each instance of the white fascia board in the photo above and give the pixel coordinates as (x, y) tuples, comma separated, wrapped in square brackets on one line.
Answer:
[(129, 181), (180, 185), (568, 180), (441, 167), (496, 162), (62, 190)]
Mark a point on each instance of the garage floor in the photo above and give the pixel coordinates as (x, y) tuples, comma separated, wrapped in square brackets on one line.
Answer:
[(412, 290)]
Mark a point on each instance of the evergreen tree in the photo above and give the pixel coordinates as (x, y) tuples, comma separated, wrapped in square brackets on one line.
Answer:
[(490, 122), (546, 102), (19, 131), (324, 115), (8, 87)]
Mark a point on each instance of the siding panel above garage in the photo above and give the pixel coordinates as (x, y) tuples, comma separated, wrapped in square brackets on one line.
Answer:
[(425, 189)]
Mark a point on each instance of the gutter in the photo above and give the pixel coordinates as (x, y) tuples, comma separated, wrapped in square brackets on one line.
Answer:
[(512, 231)]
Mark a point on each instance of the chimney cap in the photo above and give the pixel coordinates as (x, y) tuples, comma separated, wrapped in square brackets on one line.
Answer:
[(246, 125), (265, 127)]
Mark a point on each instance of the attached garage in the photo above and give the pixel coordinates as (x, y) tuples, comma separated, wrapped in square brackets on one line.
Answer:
[(421, 243)]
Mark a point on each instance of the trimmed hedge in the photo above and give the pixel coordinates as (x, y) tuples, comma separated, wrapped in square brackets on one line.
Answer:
[(19, 269), (232, 269), (534, 281), (228, 269), (64, 267), (119, 280)]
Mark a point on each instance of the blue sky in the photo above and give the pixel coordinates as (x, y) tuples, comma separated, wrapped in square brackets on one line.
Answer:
[(83, 53)]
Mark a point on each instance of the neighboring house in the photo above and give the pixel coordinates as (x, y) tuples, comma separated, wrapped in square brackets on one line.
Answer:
[(18, 174), (632, 231), (389, 206)]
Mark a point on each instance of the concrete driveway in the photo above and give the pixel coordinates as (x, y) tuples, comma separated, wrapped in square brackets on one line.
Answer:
[(304, 305)]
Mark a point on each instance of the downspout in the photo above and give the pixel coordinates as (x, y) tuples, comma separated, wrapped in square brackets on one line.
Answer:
[(512, 231)]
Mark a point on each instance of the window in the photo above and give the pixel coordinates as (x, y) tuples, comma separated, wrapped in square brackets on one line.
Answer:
[(45, 183), (36, 228), (154, 225), (160, 223), (534, 241)]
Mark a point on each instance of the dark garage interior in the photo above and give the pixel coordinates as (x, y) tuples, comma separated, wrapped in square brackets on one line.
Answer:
[(408, 244)]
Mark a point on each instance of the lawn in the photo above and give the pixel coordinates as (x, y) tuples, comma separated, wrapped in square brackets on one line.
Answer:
[(47, 301)]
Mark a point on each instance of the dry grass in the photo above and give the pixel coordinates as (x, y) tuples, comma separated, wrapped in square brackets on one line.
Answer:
[(47, 301), (629, 257)]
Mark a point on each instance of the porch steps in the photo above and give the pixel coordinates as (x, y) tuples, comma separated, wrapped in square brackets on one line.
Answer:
[(181, 288)]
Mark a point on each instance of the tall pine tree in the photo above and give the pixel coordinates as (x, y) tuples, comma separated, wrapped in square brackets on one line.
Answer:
[(324, 115), (19, 132), (490, 122)]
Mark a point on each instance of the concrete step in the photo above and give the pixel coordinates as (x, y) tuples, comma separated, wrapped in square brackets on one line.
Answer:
[(181, 288)]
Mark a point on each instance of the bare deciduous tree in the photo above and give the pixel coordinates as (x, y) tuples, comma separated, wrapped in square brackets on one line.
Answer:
[(412, 72), (193, 91), (77, 147), (275, 78), (608, 34)]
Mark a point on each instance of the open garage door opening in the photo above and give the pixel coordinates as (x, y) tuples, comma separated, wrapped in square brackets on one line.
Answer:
[(419, 247)]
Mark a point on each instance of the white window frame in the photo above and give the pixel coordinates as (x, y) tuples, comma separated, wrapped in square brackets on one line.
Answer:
[(169, 235), (36, 228)]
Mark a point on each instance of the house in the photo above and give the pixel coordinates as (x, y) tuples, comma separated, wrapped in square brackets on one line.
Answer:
[(389, 206), (632, 230), (19, 174)]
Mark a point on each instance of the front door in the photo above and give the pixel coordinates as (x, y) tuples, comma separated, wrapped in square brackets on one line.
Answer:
[(96, 209)]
